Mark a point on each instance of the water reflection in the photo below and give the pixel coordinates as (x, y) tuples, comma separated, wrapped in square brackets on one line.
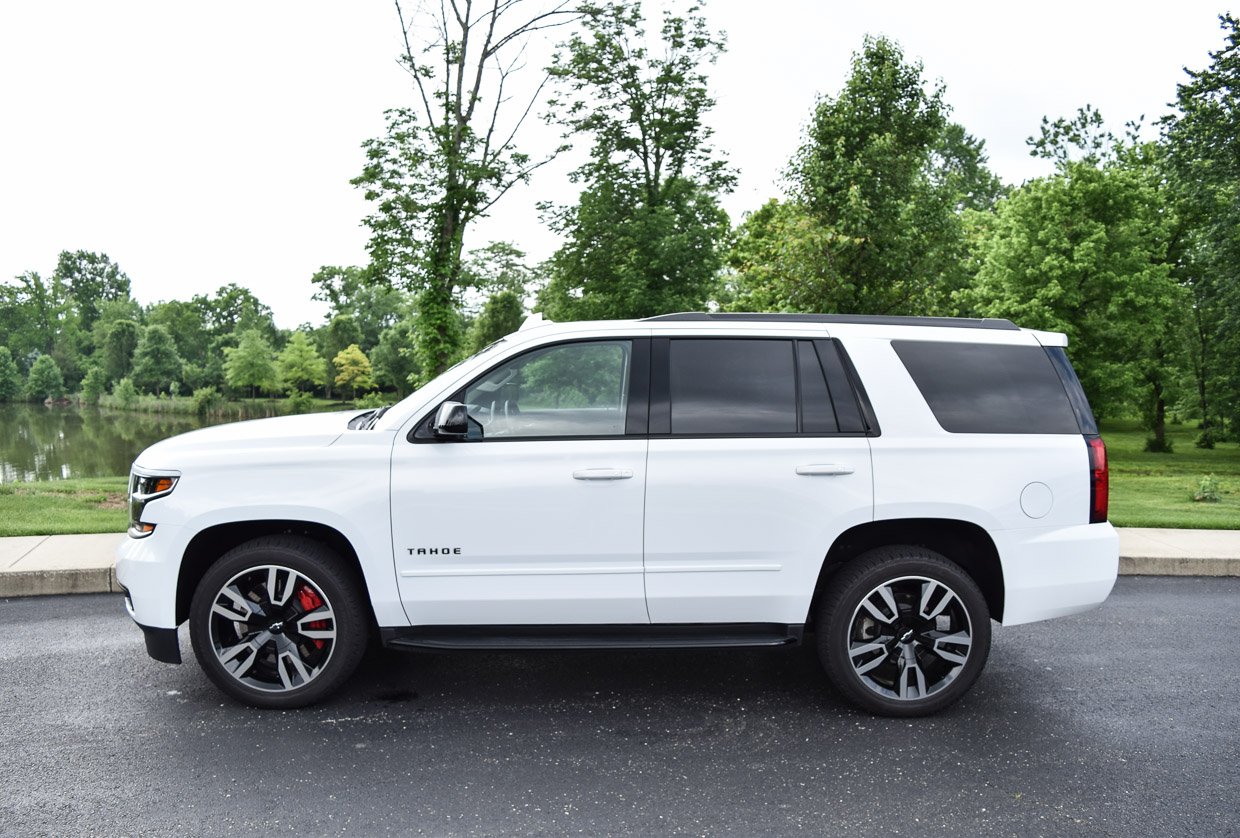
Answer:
[(51, 443)]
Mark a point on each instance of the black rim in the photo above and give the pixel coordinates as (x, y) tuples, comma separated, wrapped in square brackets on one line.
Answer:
[(272, 628), (909, 638)]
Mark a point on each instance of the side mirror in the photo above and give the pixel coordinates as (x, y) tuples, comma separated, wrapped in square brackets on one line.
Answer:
[(451, 421)]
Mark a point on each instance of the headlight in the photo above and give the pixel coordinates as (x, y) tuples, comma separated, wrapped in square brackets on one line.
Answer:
[(143, 488)]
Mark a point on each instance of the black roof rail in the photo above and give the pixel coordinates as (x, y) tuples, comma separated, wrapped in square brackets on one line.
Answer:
[(865, 319)]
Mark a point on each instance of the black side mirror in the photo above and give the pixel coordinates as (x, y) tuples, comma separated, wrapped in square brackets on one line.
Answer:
[(451, 421)]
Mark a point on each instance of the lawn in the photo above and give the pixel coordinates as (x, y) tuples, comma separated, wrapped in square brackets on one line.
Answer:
[(1147, 490), (1156, 490), (53, 507)]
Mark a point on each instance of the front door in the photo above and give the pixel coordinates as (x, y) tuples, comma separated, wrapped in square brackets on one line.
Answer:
[(538, 518)]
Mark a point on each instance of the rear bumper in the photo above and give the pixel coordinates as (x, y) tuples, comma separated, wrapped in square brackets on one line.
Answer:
[(1056, 572)]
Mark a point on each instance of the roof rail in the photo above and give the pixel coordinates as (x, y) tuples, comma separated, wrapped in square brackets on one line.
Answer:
[(866, 319)]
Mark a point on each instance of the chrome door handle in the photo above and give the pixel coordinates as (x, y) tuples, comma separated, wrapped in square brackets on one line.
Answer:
[(824, 468), (603, 474)]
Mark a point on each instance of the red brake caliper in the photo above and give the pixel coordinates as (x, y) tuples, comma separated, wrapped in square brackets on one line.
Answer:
[(309, 601)]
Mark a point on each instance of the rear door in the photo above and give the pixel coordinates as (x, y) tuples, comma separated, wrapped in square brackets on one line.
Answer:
[(759, 457)]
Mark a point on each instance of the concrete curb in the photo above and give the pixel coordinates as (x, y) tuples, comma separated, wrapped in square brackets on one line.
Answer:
[(83, 564)]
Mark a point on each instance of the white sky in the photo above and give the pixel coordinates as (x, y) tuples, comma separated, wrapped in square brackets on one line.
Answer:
[(200, 144)]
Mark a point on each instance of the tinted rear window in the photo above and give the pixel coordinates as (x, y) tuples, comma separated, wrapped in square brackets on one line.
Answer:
[(733, 387), (985, 389)]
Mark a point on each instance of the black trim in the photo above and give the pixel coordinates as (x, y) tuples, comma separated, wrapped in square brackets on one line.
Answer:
[(863, 398), (860, 319), (637, 636), (660, 387), (637, 422), (162, 644)]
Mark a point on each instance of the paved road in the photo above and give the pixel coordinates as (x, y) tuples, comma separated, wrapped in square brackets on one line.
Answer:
[(1125, 721)]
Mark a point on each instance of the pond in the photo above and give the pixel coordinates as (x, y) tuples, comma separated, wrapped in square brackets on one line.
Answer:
[(53, 443)]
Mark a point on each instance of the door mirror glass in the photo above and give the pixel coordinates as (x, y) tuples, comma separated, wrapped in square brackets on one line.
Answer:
[(451, 421)]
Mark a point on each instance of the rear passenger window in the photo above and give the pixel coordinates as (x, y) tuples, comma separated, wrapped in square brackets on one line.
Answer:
[(987, 389), (733, 387)]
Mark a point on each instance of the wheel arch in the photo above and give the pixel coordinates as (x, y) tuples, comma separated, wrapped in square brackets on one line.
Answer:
[(963, 542), (214, 541)]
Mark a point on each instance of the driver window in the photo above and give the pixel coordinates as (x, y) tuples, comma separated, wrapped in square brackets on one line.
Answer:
[(574, 389)]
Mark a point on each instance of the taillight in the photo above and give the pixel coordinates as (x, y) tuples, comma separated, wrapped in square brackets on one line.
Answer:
[(1098, 480)]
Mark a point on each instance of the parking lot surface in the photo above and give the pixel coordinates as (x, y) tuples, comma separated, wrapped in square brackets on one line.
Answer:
[(1119, 722)]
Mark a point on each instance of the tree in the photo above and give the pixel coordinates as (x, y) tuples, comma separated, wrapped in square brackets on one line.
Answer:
[(645, 236), (352, 292), (45, 381), (300, 365), (1204, 154), (1085, 252), (233, 310), (119, 344), (874, 222), (250, 364), (184, 321), (446, 161), (94, 385), (10, 376), (392, 360), (156, 363), (91, 280), (353, 370), (341, 331), (502, 315)]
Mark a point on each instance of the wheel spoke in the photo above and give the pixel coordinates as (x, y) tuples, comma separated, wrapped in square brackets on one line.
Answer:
[(322, 614), (912, 682), (960, 638), (231, 605), (239, 659), (928, 593), (278, 594), (289, 658), (888, 599), (868, 649)]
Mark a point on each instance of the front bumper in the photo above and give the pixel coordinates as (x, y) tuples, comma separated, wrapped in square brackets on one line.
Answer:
[(147, 569)]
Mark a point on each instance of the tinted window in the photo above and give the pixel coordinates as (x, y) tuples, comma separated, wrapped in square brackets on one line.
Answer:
[(733, 387), (847, 411), (817, 415), (985, 389), (574, 389)]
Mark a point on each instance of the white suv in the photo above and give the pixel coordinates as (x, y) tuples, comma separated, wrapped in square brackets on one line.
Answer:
[(888, 484)]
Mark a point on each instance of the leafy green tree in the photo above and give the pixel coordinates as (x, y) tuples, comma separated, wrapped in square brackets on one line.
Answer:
[(646, 234), (91, 279), (874, 222), (502, 315), (300, 365), (1085, 252), (1203, 140), (125, 393), (251, 365), (94, 385), (119, 344), (446, 161), (45, 380), (10, 376), (373, 306), (353, 370), (184, 322), (341, 332), (31, 310), (156, 363), (232, 310), (392, 360)]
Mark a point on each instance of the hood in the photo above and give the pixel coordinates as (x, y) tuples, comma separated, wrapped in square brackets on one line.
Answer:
[(311, 430)]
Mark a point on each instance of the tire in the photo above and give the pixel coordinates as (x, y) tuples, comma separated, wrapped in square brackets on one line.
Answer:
[(250, 622), (903, 631)]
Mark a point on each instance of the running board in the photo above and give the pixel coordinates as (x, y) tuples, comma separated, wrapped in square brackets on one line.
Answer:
[(667, 636)]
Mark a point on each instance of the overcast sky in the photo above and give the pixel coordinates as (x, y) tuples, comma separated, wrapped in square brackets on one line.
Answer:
[(201, 144)]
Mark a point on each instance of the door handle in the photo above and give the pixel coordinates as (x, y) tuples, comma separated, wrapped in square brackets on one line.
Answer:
[(824, 468), (603, 474)]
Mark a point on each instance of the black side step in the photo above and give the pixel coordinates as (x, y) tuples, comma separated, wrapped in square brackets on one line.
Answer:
[(667, 636)]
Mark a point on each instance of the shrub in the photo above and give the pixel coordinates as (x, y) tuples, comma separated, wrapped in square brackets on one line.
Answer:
[(1208, 490), (372, 400), (205, 400), (299, 402), (125, 393), (94, 385)]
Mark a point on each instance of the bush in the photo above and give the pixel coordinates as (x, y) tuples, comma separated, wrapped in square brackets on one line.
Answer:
[(299, 402), (205, 400), (1205, 439), (125, 393), (94, 385), (372, 400), (1158, 446), (45, 381), (1208, 490)]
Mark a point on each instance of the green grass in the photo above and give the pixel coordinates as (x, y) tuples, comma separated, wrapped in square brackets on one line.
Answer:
[(56, 507), (1156, 490), (1147, 490)]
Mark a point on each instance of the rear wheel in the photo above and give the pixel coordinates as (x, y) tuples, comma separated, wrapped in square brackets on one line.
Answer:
[(278, 622), (903, 631)]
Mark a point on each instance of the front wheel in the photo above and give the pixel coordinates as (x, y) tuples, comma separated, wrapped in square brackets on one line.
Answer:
[(278, 622), (903, 631)]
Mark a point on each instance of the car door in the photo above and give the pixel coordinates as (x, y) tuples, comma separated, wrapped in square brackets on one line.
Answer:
[(754, 469), (536, 518)]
